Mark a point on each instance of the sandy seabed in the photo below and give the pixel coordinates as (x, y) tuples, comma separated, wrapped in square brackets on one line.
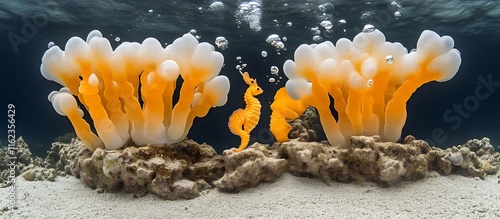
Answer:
[(289, 197)]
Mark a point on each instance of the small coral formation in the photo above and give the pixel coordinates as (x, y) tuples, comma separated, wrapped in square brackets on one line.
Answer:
[(370, 80), (129, 91), (250, 167), (40, 174), (15, 162), (476, 158), (62, 156), (243, 121), (304, 127), (180, 170)]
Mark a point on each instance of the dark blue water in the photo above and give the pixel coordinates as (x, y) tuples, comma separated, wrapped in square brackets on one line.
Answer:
[(447, 113)]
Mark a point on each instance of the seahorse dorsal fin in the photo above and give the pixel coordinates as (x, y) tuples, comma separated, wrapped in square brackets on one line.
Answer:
[(246, 77)]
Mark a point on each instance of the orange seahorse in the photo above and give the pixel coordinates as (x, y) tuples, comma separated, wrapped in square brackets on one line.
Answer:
[(243, 121)]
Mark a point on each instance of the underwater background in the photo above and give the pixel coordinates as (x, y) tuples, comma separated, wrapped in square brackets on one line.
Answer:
[(445, 114)]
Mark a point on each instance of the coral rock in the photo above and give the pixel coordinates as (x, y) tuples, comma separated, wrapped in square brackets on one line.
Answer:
[(170, 171), (40, 174), (62, 155), (250, 167), (17, 159), (304, 128), (368, 159)]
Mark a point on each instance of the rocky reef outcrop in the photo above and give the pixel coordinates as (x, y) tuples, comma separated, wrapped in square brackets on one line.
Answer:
[(187, 169), (14, 161), (250, 167), (368, 159)]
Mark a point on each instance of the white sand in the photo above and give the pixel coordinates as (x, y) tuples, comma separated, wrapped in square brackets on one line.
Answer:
[(290, 197)]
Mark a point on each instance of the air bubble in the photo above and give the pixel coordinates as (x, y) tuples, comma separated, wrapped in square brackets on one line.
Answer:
[(117, 39), (217, 6), (342, 21), (272, 80), (326, 8), (193, 32), (369, 83), (317, 38), (150, 11), (243, 65), (397, 14), (51, 44), (389, 59), (221, 42), (284, 39), (368, 28), (238, 58), (315, 30), (274, 70), (238, 67), (328, 33), (366, 16), (326, 24), (264, 54), (289, 24)]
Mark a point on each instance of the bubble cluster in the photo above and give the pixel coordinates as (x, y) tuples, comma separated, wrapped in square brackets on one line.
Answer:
[(241, 65), (264, 54), (216, 7), (275, 41), (51, 44), (274, 70), (221, 42), (250, 13)]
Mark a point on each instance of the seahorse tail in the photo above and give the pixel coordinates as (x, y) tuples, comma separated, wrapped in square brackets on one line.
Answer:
[(245, 138), (279, 127)]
